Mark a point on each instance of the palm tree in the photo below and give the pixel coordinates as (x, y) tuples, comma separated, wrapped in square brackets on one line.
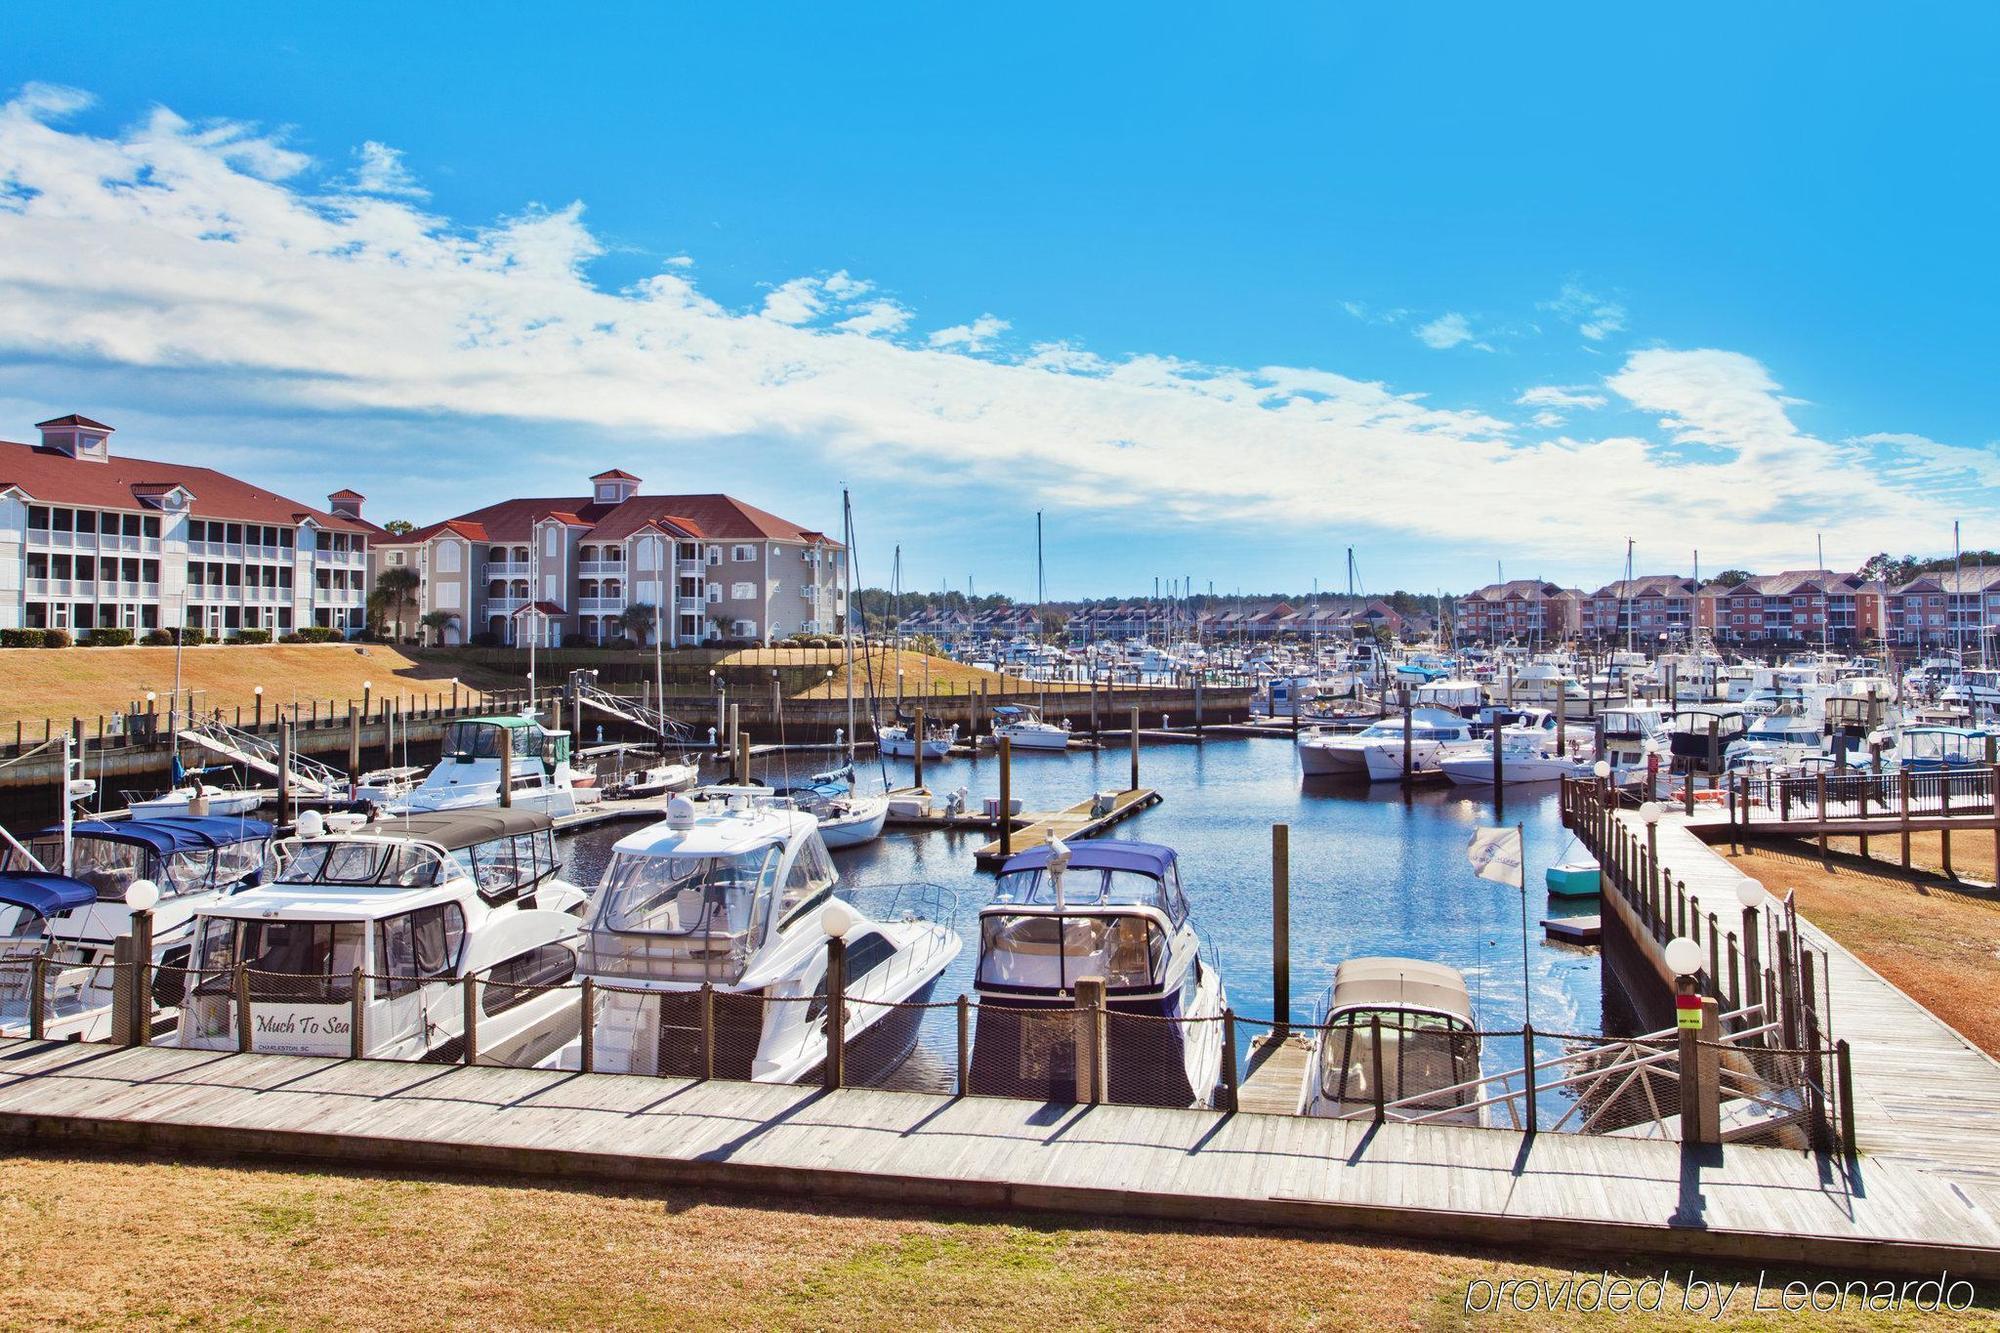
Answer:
[(437, 622), (396, 592), (637, 620)]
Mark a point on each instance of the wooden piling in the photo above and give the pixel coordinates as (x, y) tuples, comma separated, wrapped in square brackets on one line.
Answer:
[(1281, 930), (1005, 815), (353, 743), (918, 748), (1091, 1060), (1135, 750), (506, 769)]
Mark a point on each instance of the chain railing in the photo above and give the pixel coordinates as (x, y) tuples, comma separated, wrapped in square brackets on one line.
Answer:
[(1770, 1088)]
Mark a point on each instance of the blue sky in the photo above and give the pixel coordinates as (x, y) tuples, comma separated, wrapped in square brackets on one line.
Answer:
[(1455, 285)]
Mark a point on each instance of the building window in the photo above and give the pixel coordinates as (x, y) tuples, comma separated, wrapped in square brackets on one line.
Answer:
[(741, 554), (743, 592)]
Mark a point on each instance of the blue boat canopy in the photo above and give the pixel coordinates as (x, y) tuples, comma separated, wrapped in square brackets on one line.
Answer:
[(44, 894), (169, 834), (1146, 858)]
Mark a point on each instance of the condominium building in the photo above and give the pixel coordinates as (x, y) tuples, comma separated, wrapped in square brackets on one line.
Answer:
[(91, 539), (1643, 610), (1799, 606), (1520, 611), (568, 569), (1949, 608)]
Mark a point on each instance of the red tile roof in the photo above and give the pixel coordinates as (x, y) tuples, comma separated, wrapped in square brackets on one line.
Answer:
[(74, 420), (615, 474), (50, 477), (347, 495), (714, 517)]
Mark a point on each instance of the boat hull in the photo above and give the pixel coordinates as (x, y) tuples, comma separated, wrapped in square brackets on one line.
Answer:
[(1573, 881)]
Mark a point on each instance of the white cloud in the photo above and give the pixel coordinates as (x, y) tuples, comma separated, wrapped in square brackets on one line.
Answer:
[(974, 337), (176, 253), (1561, 395), (1447, 330), (380, 170), (680, 261), (878, 317), (1595, 317)]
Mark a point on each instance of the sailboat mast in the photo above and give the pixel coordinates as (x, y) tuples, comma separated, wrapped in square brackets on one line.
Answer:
[(847, 625), (1625, 602)]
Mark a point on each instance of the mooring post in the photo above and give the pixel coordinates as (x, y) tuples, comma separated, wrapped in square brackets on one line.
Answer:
[(1375, 1066), (1562, 714), (964, 1046), (1819, 803), (357, 1012), (1409, 738), (471, 998), (1844, 1080), (122, 1026), (506, 769), (836, 1012), (1281, 931), (1229, 1061), (1091, 1065), (742, 758), (142, 978), (1531, 1118), (244, 1029), (708, 1020), (353, 744), (1005, 814), (586, 1029), (1752, 964), (918, 748), (1903, 801), (38, 979), (1135, 750)]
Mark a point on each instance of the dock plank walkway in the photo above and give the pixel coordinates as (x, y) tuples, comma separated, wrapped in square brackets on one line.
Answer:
[(1076, 821), (1926, 1097), (1557, 1193)]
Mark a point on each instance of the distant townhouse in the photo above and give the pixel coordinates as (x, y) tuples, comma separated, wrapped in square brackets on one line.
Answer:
[(90, 540), (568, 568), (1520, 610), (1643, 610), (941, 623), (1006, 622), (1948, 608), (1799, 606), (1379, 615)]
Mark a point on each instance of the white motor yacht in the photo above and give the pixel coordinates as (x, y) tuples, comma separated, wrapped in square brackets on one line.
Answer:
[(1410, 1020), (1527, 754), (734, 896), (1111, 909), (197, 798), (419, 905), (72, 921), (1430, 742), (1023, 729), (895, 741), (1324, 753), (468, 776)]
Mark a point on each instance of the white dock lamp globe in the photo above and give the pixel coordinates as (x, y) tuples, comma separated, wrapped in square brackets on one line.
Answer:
[(836, 919), (1750, 893), (1650, 813), (1684, 956), (142, 895), (312, 824), (1601, 770)]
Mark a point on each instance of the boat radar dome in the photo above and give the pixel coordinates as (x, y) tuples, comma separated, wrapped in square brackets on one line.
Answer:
[(680, 813), (312, 824)]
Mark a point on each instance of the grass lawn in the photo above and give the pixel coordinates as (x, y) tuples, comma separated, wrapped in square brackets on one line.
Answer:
[(1936, 939), (876, 668), (84, 682), (88, 1242)]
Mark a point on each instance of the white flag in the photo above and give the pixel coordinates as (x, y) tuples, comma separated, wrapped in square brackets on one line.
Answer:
[(1495, 854)]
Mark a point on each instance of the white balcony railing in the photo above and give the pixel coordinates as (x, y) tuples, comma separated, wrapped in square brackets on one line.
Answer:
[(601, 569), (692, 569), (507, 569), (600, 606)]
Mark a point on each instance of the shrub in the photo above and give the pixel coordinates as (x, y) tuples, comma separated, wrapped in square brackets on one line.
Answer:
[(317, 634), (110, 637), (253, 636), (158, 638), (20, 638), (189, 636), (56, 638)]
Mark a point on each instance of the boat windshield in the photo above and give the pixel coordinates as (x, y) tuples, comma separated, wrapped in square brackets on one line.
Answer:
[(301, 961), (1048, 951), (1096, 886), (110, 866), (682, 918), (1421, 1055), (481, 740), (361, 861)]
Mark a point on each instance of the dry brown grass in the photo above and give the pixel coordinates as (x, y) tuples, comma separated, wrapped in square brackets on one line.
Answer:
[(84, 682), (1936, 939), (86, 1242), (941, 677)]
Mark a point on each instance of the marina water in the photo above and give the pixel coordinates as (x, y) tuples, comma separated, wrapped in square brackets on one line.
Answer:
[(1371, 873)]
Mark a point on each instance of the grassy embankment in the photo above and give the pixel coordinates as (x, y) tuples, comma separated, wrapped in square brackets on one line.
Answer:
[(120, 1244), (1937, 939), (84, 682)]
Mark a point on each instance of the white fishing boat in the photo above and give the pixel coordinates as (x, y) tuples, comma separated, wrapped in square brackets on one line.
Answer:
[(1404, 1021), (383, 785), (1114, 910), (1022, 728), (636, 772), (894, 740), (1526, 755), (1430, 742), (196, 798), (742, 899), (468, 776), (418, 905)]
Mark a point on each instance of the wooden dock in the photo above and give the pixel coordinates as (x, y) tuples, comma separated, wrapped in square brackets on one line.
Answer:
[(1557, 1194), (1574, 929), (1078, 821), (1274, 1077)]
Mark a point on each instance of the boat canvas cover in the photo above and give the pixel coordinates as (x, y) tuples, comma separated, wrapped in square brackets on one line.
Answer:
[(44, 894), (1400, 983), (169, 834), (453, 829), (1147, 858)]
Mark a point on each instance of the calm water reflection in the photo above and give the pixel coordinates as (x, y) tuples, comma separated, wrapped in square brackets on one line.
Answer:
[(1371, 873)]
